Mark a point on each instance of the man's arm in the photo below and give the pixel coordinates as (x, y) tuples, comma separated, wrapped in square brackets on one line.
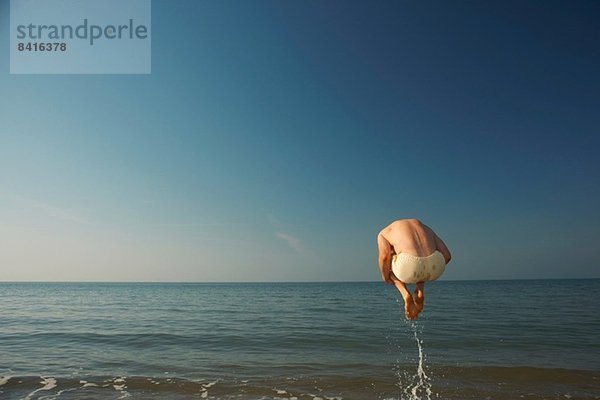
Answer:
[(385, 258), (441, 246)]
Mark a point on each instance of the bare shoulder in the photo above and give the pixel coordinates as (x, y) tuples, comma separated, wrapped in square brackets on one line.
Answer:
[(399, 227), (386, 231), (427, 228), (401, 223)]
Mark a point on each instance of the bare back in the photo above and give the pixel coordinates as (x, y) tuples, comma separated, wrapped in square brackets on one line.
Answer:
[(413, 237)]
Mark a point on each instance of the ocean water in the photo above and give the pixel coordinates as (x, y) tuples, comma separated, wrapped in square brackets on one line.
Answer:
[(534, 339)]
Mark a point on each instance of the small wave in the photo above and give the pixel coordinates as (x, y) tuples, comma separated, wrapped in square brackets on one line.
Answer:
[(502, 383)]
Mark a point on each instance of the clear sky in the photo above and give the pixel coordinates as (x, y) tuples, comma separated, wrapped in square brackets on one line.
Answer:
[(274, 139)]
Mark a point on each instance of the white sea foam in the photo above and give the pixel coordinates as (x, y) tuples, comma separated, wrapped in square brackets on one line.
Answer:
[(119, 385), (57, 395), (49, 383), (205, 387)]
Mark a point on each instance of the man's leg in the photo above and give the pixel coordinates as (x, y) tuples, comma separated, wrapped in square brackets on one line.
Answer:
[(419, 296), (410, 309)]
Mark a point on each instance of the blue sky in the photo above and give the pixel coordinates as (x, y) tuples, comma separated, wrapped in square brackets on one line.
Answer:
[(273, 140)]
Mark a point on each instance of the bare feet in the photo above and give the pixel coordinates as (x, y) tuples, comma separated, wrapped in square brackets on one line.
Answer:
[(419, 297), (410, 308)]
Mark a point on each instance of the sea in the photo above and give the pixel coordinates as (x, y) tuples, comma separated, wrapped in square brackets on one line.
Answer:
[(517, 339)]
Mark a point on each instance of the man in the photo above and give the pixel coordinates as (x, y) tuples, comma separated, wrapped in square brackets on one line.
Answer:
[(410, 252)]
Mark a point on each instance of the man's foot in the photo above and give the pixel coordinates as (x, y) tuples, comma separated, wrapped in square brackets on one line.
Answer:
[(419, 297), (410, 308)]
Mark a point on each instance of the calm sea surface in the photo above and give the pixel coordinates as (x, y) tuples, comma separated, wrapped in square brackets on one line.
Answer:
[(475, 340)]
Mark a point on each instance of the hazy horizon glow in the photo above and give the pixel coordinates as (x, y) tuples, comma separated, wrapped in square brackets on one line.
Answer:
[(273, 140)]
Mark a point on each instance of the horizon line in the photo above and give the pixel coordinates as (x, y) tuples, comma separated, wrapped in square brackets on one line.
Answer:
[(301, 282)]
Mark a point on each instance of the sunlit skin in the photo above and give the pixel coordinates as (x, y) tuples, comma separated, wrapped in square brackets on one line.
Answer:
[(413, 237)]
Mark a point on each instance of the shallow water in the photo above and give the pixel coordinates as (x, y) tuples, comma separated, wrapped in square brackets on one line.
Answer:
[(476, 339)]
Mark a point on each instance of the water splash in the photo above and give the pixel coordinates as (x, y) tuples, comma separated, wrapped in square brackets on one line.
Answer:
[(421, 385), (415, 385)]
